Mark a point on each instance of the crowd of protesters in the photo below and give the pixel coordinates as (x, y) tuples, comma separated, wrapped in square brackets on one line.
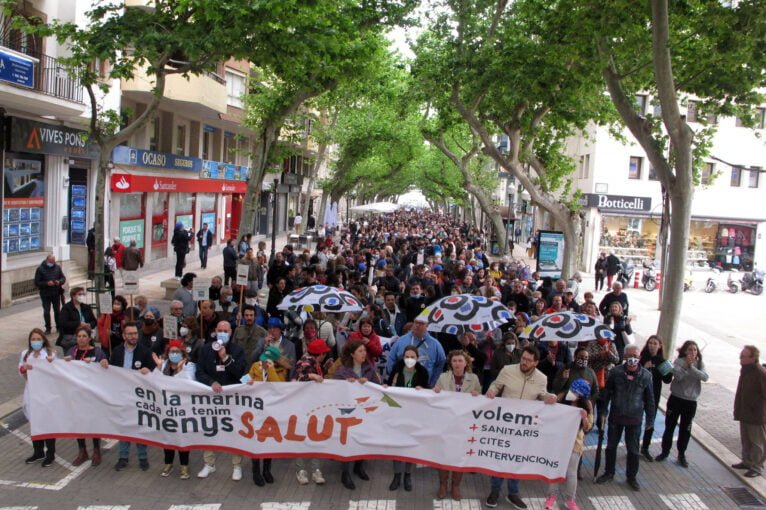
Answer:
[(396, 265)]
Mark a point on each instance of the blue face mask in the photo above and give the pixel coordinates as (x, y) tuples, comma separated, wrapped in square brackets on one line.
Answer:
[(222, 337), (175, 357), (229, 299), (36, 345)]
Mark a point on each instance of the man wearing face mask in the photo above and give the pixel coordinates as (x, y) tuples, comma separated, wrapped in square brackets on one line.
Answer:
[(250, 336), (221, 363), (226, 308), (578, 370), (133, 356), (629, 389), (150, 334)]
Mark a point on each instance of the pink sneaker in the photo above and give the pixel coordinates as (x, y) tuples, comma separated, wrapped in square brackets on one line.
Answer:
[(550, 502), (572, 505)]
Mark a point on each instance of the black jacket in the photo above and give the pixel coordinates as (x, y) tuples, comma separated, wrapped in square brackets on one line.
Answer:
[(180, 241), (419, 379), (208, 361), (612, 264), (230, 257), (70, 319), (142, 357), (44, 274), (209, 238)]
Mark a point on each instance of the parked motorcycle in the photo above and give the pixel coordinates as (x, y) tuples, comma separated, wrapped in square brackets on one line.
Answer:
[(625, 276), (649, 276), (752, 281), (712, 282)]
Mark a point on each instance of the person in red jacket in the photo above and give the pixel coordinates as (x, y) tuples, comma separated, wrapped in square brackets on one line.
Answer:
[(367, 336), (119, 251)]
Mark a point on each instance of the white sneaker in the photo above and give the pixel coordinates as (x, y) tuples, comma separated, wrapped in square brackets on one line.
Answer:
[(302, 476), (317, 477), (206, 471), (236, 474)]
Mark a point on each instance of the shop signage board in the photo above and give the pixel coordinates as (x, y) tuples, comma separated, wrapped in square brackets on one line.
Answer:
[(153, 159), (242, 271), (616, 202), (132, 230), (40, 138), (220, 170), (550, 253), (130, 183), (201, 289), (17, 69)]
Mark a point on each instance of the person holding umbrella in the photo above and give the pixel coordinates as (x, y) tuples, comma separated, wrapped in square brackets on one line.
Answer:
[(629, 390)]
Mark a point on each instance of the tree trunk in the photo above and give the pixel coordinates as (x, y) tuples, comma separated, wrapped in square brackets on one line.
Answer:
[(262, 149), (98, 223)]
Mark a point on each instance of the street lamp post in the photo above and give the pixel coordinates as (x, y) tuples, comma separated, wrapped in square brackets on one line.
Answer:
[(274, 221)]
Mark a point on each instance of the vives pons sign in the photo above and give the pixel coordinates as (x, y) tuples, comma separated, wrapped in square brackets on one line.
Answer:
[(616, 202)]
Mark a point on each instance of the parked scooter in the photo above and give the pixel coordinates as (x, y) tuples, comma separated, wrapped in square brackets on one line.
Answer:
[(625, 276), (649, 276), (752, 281), (713, 281)]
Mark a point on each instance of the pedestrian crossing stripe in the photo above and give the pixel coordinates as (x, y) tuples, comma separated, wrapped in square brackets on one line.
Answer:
[(104, 507), (372, 504), (688, 501), (611, 503), (463, 504), (303, 505), (211, 506)]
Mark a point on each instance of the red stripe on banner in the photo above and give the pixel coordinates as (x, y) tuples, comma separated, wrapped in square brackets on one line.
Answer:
[(276, 455)]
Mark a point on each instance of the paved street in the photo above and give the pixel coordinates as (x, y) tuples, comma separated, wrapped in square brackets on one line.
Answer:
[(711, 319)]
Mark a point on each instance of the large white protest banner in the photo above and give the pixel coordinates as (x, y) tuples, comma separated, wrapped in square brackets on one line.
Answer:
[(334, 419)]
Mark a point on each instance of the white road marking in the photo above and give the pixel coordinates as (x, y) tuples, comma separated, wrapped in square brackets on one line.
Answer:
[(209, 506), (104, 507), (303, 505), (372, 504), (463, 504), (611, 503), (18, 508), (688, 501)]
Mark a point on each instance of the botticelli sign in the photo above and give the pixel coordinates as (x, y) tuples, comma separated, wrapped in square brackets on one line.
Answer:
[(334, 419), (617, 202)]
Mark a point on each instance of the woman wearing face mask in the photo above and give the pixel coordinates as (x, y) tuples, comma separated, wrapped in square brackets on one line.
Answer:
[(188, 333), (602, 357), (85, 350), (507, 353), (150, 334), (653, 359), (355, 367), (266, 369), (74, 314), (620, 324), (578, 370), (110, 325), (407, 373), (175, 363), (367, 336), (38, 350), (458, 378), (688, 375)]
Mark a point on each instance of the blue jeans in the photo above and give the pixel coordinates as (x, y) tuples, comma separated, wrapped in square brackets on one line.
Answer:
[(497, 483), (125, 450)]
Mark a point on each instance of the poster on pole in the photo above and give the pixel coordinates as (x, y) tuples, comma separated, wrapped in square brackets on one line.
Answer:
[(550, 253), (201, 289), (130, 282), (242, 271), (170, 327), (104, 303)]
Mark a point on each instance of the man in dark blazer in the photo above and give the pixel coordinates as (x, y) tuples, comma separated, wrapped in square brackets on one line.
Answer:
[(134, 356), (204, 241)]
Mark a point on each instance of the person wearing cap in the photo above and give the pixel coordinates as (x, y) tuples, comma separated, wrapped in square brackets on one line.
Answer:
[(629, 390), (578, 396), (311, 368), (275, 337), (221, 363), (430, 351), (180, 242), (268, 368), (175, 363)]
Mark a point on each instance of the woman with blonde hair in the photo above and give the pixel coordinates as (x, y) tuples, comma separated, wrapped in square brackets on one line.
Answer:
[(458, 378)]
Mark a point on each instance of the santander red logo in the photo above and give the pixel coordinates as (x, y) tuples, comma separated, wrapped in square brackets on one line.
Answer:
[(122, 184)]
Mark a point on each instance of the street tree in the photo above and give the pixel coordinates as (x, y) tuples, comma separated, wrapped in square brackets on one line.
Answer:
[(702, 50)]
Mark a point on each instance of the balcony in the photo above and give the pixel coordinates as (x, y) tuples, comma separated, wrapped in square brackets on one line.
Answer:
[(202, 96), (49, 77)]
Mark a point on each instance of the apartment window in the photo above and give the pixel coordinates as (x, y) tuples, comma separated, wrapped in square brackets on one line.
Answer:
[(235, 89), (229, 147), (180, 140), (309, 126), (760, 119), (754, 174), (206, 145), (691, 111), (694, 114), (641, 101), (585, 166), (736, 176), (652, 173), (154, 134), (657, 110), (707, 173), (634, 170)]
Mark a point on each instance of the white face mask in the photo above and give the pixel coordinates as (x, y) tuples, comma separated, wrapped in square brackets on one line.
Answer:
[(509, 347), (250, 301), (81, 298), (410, 362), (183, 331)]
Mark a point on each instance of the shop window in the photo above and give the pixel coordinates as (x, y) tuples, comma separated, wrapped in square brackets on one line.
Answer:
[(641, 101), (23, 203), (184, 203), (754, 175), (634, 170), (154, 134), (736, 176), (180, 139), (132, 218), (707, 173), (159, 221), (208, 210)]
